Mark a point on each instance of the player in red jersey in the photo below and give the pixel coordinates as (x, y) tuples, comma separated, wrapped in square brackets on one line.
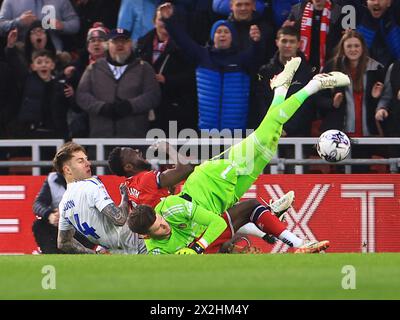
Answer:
[(147, 186)]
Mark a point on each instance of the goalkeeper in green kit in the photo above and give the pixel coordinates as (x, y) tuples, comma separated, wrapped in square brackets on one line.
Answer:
[(206, 214)]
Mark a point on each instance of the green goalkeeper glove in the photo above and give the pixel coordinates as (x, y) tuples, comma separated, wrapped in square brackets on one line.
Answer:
[(186, 251)]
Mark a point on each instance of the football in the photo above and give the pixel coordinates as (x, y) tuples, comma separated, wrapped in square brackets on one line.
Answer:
[(333, 145)]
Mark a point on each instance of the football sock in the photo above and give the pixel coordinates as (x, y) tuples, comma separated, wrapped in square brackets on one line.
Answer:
[(312, 87), (266, 221), (279, 96), (251, 229), (290, 239)]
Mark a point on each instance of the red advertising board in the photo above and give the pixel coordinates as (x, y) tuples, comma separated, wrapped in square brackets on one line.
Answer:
[(357, 213)]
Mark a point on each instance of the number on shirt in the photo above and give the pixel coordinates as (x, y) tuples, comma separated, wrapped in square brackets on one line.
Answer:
[(85, 229), (226, 171)]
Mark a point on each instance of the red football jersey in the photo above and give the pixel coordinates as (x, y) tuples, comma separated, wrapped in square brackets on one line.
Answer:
[(144, 188)]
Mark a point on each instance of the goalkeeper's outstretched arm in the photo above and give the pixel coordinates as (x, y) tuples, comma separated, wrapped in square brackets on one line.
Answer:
[(215, 227)]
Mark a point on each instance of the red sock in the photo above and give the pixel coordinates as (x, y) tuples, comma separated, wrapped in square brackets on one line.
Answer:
[(266, 221)]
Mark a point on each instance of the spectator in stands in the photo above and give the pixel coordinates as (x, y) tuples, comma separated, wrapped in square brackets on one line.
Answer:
[(136, 16), (243, 16), (320, 25), (380, 29), (388, 111), (353, 109), (45, 101), (96, 39), (19, 57), (118, 91), (281, 10), (90, 11), (21, 14), (222, 80), (300, 125), (95, 49), (45, 207), (288, 43), (277, 10), (223, 7), (196, 18), (174, 74)]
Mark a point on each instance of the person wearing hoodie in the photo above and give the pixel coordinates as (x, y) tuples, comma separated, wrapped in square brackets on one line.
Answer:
[(222, 72)]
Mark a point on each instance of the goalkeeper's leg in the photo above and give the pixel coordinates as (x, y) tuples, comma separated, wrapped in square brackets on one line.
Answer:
[(253, 153)]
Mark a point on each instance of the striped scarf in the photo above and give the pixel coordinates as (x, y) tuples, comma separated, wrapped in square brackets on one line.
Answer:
[(158, 48), (306, 30)]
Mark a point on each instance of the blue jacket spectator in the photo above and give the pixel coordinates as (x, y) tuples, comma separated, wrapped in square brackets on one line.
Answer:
[(280, 8), (222, 81), (136, 16), (380, 30), (223, 7), (22, 13)]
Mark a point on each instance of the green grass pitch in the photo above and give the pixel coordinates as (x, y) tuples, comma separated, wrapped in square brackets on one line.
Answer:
[(269, 276)]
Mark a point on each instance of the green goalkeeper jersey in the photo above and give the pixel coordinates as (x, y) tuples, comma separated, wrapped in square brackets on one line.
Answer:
[(188, 222), (212, 185)]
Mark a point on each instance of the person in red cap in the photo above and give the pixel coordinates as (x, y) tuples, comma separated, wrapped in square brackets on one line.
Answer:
[(97, 37)]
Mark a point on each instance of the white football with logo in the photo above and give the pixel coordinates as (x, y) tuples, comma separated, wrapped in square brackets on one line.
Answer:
[(333, 145)]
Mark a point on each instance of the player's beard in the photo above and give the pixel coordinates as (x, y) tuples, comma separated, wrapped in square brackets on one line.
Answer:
[(143, 165)]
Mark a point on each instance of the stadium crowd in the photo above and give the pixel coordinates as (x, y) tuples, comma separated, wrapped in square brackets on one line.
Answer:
[(115, 69)]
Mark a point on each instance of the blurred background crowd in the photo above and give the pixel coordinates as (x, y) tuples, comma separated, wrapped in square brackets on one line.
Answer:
[(115, 69)]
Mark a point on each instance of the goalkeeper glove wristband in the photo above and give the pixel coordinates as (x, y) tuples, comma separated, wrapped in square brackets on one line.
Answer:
[(196, 247)]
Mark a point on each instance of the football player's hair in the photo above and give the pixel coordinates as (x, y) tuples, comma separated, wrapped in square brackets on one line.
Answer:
[(115, 162), (141, 219), (65, 154)]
